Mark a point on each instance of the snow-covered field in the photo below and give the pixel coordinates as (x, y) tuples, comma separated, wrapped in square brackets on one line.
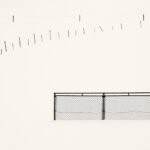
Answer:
[(94, 54)]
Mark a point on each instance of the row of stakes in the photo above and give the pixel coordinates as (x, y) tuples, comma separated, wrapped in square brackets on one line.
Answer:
[(13, 18), (79, 18), (58, 34), (41, 37)]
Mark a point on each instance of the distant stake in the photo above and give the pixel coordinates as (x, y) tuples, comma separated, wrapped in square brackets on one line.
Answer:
[(50, 34), (13, 46), (79, 18), (13, 18), (28, 42), (75, 32), (101, 28), (140, 24), (19, 42), (34, 38), (84, 31), (121, 26), (5, 46), (1, 51), (41, 38), (58, 35), (112, 27), (143, 17), (68, 34)]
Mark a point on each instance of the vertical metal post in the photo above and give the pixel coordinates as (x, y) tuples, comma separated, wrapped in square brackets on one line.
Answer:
[(54, 106), (103, 106)]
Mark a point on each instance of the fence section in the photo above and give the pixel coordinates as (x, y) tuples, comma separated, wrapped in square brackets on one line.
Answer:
[(102, 106)]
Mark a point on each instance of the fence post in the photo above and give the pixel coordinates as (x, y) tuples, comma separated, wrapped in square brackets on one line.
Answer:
[(103, 106), (54, 106)]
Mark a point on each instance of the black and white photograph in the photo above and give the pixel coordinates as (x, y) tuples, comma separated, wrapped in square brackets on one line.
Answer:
[(74, 74)]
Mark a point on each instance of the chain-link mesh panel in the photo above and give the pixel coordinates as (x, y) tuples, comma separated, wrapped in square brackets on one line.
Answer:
[(78, 108), (115, 107), (128, 107), (78, 116), (128, 116)]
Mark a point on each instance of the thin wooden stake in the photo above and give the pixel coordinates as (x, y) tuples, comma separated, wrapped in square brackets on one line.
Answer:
[(1, 51), (101, 28), (28, 42), (121, 26), (68, 34), (84, 31), (112, 28), (13, 46), (13, 18), (19, 42), (41, 38), (50, 34), (75, 32), (58, 35), (143, 17), (5, 46), (140, 24), (79, 18), (34, 38)]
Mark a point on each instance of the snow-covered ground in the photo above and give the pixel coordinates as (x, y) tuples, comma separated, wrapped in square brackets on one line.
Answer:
[(87, 60)]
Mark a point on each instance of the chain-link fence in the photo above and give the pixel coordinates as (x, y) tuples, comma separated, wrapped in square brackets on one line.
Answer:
[(102, 106)]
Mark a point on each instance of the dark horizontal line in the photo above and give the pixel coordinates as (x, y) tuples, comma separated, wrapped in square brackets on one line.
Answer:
[(101, 112), (100, 95), (101, 92), (125, 95)]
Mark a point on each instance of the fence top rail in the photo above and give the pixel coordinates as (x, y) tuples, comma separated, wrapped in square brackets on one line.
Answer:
[(102, 93)]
